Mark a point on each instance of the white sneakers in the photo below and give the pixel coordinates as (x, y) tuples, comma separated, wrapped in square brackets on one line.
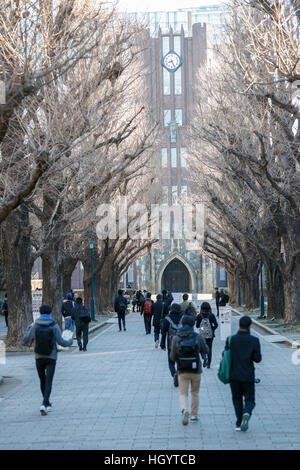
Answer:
[(156, 344), (43, 410)]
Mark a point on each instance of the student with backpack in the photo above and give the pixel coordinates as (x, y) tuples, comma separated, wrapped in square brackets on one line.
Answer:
[(46, 333), (67, 310), (187, 346), (223, 299), (188, 308), (121, 309), (170, 326), (81, 318), (207, 324), (159, 311), (146, 310)]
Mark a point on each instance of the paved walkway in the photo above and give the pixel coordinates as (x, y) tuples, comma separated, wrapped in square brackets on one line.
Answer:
[(119, 395)]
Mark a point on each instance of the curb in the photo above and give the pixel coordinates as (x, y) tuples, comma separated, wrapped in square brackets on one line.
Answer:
[(97, 327), (1, 379), (293, 344)]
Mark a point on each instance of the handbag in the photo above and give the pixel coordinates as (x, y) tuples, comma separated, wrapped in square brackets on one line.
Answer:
[(224, 368)]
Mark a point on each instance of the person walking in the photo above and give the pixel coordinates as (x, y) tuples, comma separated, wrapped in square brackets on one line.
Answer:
[(46, 333), (188, 308), (170, 297), (134, 301), (4, 308), (217, 297), (244, 351), (186, 346), (159, 311), (166, 299), (170, 326), (146, 310), (121, 309), (81, 318), (223, 299), (207, 324), (67, 310), (140, 300)]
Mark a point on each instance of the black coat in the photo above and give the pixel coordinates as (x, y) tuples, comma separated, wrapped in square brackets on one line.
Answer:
[(120, 304), (245, 349), (76, 315), (212, 320), (159, 311), (223, 299), (67, 308)]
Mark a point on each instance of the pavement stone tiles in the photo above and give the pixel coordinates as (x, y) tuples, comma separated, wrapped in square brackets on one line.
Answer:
[(120, 395)]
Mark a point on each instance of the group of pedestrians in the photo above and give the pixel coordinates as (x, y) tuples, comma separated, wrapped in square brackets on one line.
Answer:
[(189, 351)]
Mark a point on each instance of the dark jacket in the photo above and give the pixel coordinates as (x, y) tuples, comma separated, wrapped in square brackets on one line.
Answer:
[(159, 311), (120, 302), (223, 299), (67, 308), (166, 300), (212, 320), (185, 332), (245, 349), (176, 318), (170, 298), (217, 298), (76, 315), (46, 320)]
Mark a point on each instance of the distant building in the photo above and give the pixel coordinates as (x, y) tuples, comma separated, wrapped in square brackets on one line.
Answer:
[(176, 45)]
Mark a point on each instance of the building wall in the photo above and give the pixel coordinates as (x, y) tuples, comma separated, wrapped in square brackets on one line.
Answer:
[(194, 52)]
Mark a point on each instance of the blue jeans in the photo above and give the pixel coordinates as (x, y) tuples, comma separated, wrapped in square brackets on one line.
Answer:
[(69, 324)]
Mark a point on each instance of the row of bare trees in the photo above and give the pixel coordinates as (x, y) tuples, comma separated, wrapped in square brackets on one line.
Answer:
[(245, 145), (75, 133)]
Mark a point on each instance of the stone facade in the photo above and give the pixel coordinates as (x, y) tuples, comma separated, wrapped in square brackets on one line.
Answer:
[(171, 95)]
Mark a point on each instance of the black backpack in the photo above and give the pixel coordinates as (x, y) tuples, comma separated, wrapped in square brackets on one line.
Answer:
[(188, 354), (190, 310), (122, 305), (84, 315), (44, 339)]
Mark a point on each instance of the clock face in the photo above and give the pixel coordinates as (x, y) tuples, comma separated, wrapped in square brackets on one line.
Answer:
[(172, 61)]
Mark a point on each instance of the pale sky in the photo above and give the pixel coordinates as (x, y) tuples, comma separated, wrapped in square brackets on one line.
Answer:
[(162, 5)]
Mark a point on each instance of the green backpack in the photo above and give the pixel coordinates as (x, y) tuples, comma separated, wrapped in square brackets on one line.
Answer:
[(224, 368)]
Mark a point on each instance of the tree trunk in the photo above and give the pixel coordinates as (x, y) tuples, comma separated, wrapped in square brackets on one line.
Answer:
[(69, 266), (251, 291), (275, 291), (232, 286), (107, 285), (18, 263), (291, 294), (52, 267)]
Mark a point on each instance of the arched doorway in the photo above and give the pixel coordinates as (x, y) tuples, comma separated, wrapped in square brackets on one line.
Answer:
[(176, 277)]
